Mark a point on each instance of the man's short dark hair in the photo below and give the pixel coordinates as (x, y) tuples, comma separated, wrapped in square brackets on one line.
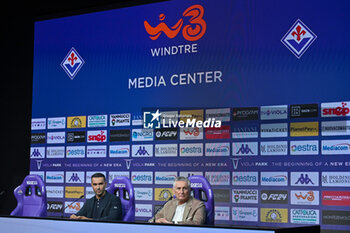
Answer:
[(98, 175)]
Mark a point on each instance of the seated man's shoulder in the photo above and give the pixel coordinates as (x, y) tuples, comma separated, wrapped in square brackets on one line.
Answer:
[(197, 202)]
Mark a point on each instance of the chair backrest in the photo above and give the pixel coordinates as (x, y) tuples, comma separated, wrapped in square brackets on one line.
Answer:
[(122, 187), (201, 190), (31, 197)]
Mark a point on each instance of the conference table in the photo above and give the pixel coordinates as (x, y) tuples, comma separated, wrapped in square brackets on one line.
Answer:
[(55, 225)]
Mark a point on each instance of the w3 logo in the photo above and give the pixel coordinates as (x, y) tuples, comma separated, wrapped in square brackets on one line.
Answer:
[(192, 32)]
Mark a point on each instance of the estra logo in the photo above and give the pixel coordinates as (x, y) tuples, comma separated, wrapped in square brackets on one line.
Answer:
[(193, 31), (336, 109)]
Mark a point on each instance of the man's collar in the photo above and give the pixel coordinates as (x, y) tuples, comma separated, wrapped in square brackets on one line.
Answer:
[(102, 197)]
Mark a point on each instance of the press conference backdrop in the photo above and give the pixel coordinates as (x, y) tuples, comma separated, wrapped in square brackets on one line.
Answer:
[(276, 73)]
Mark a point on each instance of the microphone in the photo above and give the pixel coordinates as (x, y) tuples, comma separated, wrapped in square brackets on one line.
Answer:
[(162, 206), (82, 196)]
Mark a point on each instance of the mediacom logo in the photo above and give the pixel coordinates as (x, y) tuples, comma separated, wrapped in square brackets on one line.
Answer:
[(54, 177), (341, 147), (274, 178), (217, 149), (119, 151), (165, 177)]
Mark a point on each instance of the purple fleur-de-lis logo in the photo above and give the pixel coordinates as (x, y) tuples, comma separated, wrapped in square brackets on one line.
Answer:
[(72, 63)]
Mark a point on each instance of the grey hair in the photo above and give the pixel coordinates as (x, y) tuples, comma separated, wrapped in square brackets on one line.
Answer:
[(182, 178)]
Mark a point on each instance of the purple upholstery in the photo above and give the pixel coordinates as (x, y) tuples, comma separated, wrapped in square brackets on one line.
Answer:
[(122, 187), (31, 197), (201, 190)]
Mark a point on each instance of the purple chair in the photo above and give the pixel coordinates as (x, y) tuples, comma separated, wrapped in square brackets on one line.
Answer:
[(201, 190), (122, 187), (31, 197)]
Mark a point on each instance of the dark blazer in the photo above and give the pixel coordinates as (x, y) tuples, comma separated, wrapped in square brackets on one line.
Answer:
[(110, 210), (194, 212)]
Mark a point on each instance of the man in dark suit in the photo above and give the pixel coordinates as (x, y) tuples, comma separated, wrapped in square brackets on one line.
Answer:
[(184, 209), (103, 206)]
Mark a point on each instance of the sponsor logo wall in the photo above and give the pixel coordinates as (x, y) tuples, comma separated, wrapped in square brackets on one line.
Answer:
[(281, 156)]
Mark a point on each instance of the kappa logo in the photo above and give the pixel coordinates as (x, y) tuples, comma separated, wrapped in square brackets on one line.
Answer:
[(244, 149), (72, 63), (299, 38), (74, 178), (192, 32), (304, 179)]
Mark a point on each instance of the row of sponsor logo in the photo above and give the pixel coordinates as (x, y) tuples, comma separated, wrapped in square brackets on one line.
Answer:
[(244, 214), (239, 196), (333, 109), (306, 179), (296, 129), (341, 147)]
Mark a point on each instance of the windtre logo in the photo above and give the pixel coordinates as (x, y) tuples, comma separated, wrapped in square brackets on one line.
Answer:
[(192, 32)]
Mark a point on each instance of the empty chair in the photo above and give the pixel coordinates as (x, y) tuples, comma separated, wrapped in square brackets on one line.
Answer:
[(201, 190), (31, 197)]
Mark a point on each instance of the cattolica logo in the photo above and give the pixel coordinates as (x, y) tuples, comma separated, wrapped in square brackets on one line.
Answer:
[(191, 32)]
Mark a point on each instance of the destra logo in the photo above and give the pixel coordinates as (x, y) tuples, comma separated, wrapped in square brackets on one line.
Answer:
[(192, 32)]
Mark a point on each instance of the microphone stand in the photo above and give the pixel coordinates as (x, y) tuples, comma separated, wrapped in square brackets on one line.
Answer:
[(82, 196)]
